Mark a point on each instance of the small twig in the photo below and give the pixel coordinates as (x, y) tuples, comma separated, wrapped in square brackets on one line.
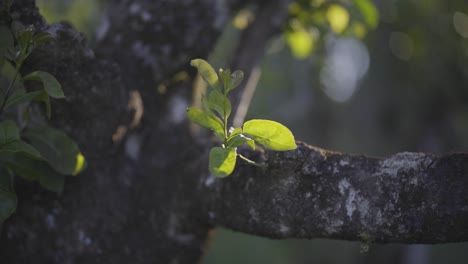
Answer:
[(251, 162)]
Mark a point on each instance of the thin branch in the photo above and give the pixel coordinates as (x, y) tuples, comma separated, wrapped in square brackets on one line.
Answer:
[(314, 193)]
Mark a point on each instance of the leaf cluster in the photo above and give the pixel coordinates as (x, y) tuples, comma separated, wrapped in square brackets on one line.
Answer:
[(214, 116), (33, 152), (311, 20)]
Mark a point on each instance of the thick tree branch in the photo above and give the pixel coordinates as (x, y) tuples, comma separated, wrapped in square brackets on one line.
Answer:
[(314, 193)]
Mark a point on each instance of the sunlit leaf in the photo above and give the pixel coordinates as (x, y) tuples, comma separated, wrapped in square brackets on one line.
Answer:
[(220, 104), (271, 134), (338, 18), (55, 147), (301, 43), (8, 199), (368, 11), (206, 119), (51, 85), (80, 164), (234, 131), (222, 161), (207, 72), (240, 139)]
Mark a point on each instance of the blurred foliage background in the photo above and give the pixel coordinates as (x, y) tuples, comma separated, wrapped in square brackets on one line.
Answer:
[(361, 76)]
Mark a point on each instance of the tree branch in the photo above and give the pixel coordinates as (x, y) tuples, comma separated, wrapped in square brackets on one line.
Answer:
[(314, 193)]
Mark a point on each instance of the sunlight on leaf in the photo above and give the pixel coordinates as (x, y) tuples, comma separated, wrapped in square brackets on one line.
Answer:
[(271, 134), (80, 164), (338, 17), (207, 72), (205, 119), (222, 161), (300, 41)]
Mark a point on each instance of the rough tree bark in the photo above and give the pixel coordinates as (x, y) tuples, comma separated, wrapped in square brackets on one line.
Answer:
[(147, 196)]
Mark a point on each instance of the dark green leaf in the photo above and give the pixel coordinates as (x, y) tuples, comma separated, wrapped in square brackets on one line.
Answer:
[(44, 97), (21, 97), (42, 38), (240, 139), (271, 134), (9, 132), (8, 199), (7, 75), (52, 181), (33, 169), (55, 147), (220, 104), (206, 119), (20, 146), (222, 161), (236, 79), (51, 85), (207, 72)]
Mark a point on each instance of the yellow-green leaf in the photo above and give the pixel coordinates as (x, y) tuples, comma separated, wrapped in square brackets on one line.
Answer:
[(301, 42), (338, 18), (206, 119), (207, 72), (222, 161), (271, 134)]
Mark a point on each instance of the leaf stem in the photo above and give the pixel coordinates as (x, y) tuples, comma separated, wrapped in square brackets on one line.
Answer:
[(251, 162), (7, 94)]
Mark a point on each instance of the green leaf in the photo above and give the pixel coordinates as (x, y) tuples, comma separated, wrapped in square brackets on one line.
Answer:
[(220, 104), (44, 97), (207, 72), (368, 11), (21, 97), (9, 132), (222, 161), (51, 85), (8, 199), (240, 139), (7, 75), (225, 76), (234, 131), (236, 79), (42, 37), (206, 119), (33, 169), (271, 134), (55, 147), (20, 146)]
